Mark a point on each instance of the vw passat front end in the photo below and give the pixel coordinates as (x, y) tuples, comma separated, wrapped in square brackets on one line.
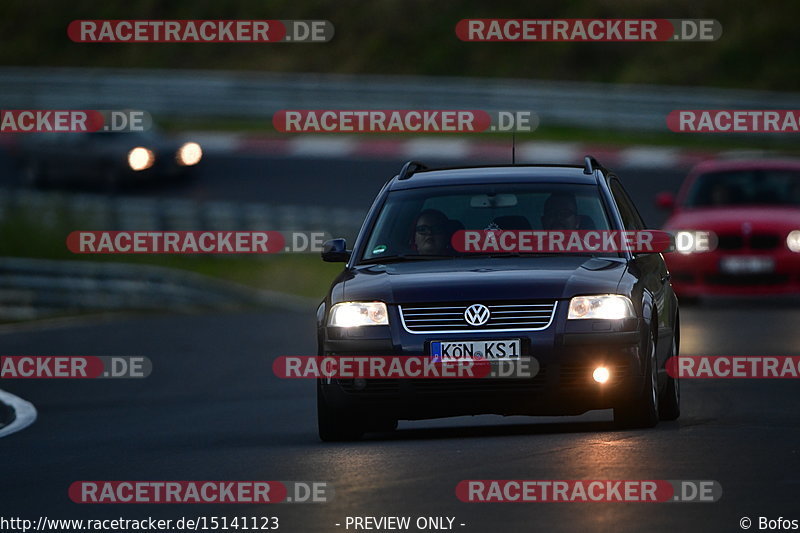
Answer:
[(592, 330)]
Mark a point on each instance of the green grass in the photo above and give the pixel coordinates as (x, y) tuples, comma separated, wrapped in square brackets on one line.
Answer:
[(711, 142), (26, 235), (757, 48)]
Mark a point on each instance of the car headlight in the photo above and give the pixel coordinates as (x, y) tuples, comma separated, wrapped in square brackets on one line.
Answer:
[(793, 241), (350, 314), (141, 158), (189, 154), (604, 306)]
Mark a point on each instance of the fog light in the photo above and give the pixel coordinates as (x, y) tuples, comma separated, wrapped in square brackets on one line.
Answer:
[(601, 374)]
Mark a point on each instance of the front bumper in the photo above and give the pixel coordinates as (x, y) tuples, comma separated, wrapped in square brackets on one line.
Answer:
[(567, 352), (700, 274)]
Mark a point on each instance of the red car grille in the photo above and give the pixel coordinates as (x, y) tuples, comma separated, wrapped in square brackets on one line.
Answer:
[(758, 241)]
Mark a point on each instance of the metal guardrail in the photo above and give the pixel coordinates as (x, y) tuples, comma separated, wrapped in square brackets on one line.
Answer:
[(127, 213), (190, 93), (39, 288)]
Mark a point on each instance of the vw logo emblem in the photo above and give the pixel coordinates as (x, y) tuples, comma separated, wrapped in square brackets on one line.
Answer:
[(476, 315)]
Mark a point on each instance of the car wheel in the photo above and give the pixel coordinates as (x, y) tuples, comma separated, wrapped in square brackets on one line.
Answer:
[(669, 405), (335, 425), (642, 411)]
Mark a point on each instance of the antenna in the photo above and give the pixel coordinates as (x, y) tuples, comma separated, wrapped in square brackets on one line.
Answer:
[(513, 148)]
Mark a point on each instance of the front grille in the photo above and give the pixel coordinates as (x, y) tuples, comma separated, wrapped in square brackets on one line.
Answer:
[(482, 385), (758, 241), (449, 318), (372, 387), (765, 241), (391, 387), (730, 242), (747, 279)]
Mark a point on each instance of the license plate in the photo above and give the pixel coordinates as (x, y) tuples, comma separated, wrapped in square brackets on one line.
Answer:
[(449, 351), (747, 265)]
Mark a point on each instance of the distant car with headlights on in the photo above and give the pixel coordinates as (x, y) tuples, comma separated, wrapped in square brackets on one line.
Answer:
[(600, 326), (105, 159), (750, 209)]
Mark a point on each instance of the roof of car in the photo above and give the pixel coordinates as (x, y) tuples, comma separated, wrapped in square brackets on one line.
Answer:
[(498, 174)]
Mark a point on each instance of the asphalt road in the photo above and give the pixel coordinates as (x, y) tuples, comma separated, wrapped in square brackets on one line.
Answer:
[(336, 182), (213, 410)]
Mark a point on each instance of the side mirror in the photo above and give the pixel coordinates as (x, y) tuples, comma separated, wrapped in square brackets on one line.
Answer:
[(335, 251), (665, 200)]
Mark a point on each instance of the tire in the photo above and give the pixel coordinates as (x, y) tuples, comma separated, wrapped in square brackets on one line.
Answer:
[(335, 425), (669, 405), (642, 410)]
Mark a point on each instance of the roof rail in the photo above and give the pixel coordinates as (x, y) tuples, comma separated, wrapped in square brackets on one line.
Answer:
[(590, 164), (410, 168)]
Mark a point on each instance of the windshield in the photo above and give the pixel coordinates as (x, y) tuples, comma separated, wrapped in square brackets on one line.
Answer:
[(420, 223), (746, 187)]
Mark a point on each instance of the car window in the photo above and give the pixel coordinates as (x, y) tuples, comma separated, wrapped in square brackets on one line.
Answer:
[(423, 220), (745, 187), (630, 216)]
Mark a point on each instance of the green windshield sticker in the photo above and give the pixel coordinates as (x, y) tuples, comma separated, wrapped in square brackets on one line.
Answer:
[(379, 249)]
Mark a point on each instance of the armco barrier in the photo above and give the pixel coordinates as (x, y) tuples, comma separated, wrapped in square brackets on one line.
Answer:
[(192, 93)]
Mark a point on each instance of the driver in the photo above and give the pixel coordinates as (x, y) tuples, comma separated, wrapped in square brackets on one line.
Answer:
[(431, 235)]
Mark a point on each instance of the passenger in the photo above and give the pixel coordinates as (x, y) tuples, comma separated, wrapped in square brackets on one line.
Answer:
[(561, 212)]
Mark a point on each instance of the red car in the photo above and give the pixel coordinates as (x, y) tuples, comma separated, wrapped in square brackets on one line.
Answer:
[(751, 209)]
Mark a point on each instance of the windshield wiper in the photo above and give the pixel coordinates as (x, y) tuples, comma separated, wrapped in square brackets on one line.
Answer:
[(403, 257)]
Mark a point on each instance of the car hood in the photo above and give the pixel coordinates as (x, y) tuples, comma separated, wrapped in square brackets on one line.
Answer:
[(484, 279), (773, 218)]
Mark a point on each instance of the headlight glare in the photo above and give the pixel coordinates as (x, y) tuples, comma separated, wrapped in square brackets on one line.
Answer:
[(604, 306), (141, 158), (793, 241), (352, 314), (189, 154)]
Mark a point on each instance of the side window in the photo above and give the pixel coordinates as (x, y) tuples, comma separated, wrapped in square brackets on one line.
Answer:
[(630, 216)]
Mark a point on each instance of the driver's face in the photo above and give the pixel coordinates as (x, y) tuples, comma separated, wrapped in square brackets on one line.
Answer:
[(560, 214), (430, 235)]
